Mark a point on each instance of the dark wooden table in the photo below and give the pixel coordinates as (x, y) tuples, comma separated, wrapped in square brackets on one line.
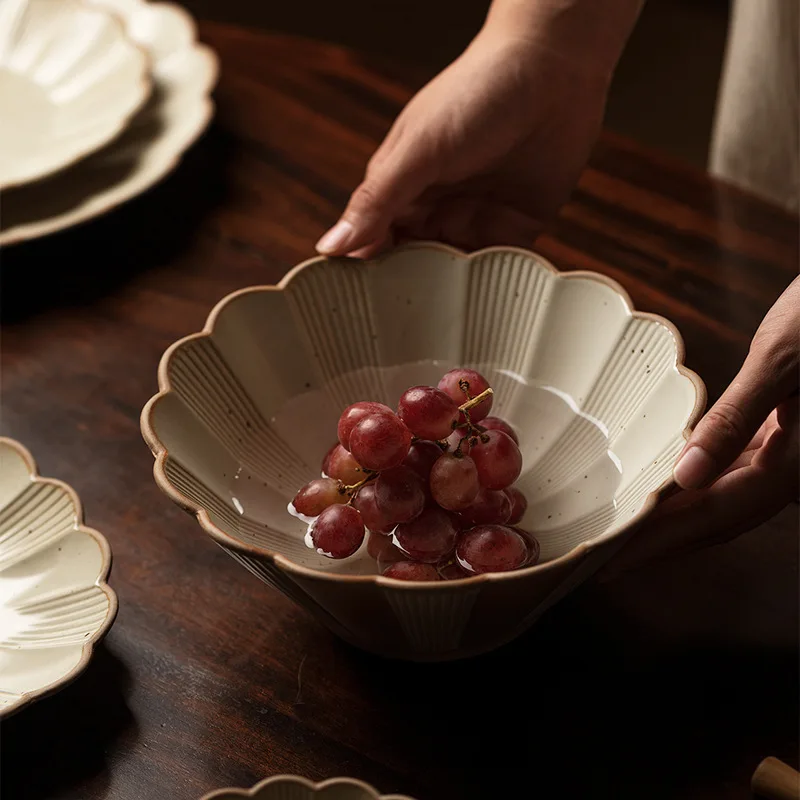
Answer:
[(672, 683)]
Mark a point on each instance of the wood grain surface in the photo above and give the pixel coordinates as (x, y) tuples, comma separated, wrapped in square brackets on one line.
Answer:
[(672, 683)]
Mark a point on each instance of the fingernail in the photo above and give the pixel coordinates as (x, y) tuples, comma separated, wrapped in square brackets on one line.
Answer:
[(694, 469), (336, 238)]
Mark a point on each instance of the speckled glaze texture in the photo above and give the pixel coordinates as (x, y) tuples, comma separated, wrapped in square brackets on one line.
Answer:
[(55, 604), (597, 392)]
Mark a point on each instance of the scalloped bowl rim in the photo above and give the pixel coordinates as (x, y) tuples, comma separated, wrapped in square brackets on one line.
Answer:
[(160, 451), (297, 780), (26, 698), (144, 89)]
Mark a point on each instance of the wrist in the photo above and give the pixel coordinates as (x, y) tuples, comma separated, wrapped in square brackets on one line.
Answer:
[(587, 35)]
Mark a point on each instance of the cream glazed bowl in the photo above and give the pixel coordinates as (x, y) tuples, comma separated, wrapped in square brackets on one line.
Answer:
[(291, 787), (248, 407)]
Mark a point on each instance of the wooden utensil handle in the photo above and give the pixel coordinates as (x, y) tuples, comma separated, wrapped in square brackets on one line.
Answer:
[(775, 780)]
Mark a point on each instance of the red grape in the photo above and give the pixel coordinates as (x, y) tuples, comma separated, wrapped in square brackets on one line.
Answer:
[(454, 481), (380, 441), (399, 494), (326, 462), (458, 440), (421, 457), (337, 532), (371, 514), (534, 549), (411, 571), (385, 552), (458, 521), (450, 384), (381, 548), (491, 548), (343, 467), (497, 459), (429, 537), (353, 414), (451, 570), (519, 504), (490, 507), (497, 424), (427, 412), (316, 496)]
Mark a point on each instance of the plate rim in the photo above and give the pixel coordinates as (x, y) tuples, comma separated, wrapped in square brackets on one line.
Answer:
[(298, 780), (144, 89), (39, 229), (87, 650)]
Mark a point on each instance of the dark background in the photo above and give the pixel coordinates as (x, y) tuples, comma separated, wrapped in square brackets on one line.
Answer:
[(663, 94)]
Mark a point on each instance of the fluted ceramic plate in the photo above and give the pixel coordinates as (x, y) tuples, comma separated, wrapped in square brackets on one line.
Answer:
[(597, 391), (183, 72), (291, 787), (55, 603), (70, 80)]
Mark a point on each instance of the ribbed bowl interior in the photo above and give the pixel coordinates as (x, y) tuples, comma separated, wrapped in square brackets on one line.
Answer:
[(596, 392)]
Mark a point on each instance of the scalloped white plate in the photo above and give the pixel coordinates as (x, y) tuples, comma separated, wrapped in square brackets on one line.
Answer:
[(70, 79), (55, 604), (292, 787), (183, 73)]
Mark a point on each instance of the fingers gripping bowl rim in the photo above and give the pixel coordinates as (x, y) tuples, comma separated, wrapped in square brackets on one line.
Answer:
[(521, 265)]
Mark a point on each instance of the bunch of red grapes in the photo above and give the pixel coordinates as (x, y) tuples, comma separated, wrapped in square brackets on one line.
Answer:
[(431, 484)]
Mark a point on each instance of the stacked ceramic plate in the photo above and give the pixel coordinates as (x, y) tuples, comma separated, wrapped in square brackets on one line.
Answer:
[(98, 101)]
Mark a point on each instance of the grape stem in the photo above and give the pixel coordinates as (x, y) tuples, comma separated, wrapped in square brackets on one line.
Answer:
[(474, 401), (352, 489), (473, 430)]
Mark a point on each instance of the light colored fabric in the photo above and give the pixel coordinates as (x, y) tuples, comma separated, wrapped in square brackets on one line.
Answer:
[(756, 141)]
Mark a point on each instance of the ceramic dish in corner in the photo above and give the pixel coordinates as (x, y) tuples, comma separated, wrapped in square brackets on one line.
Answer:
[(55, 604), (292, 787), (70, 79), (183, 72)]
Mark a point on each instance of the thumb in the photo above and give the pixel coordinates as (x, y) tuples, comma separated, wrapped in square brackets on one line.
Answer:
[(762, 383), (394, 180)]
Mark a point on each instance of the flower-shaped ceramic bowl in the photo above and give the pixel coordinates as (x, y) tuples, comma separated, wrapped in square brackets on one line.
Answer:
[(291, 787), (69, 82), (55, 604), (597, 391)]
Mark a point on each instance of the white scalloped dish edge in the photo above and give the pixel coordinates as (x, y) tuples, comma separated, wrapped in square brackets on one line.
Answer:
[(290, 786), (183, 72), (55, 603)]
